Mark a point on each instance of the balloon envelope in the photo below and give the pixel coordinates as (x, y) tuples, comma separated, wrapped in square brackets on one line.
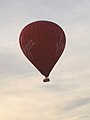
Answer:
[(42, 42)]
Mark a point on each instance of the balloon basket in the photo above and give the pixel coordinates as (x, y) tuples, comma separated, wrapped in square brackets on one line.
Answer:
[(46, 80)]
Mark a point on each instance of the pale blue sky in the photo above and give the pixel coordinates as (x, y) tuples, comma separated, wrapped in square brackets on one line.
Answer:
[(23, 95)]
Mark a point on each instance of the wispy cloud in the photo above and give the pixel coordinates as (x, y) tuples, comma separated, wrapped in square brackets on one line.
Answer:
[(77, 103)]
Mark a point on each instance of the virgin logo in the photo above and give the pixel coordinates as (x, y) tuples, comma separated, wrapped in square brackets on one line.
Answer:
[(27, 49)]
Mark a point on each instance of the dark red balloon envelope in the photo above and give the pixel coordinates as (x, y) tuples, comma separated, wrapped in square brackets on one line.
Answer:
[(42, 42)]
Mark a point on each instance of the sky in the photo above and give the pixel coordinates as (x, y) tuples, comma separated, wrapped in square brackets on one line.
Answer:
[(23, 95)]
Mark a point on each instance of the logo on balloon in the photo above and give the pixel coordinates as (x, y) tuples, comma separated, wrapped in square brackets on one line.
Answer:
[(28, 47)]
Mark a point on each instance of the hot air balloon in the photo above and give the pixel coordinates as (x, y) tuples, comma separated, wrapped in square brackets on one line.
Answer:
[(42, 42)]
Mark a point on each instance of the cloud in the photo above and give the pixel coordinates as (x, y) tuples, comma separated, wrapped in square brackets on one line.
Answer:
[(23, 95), (77, 103)]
